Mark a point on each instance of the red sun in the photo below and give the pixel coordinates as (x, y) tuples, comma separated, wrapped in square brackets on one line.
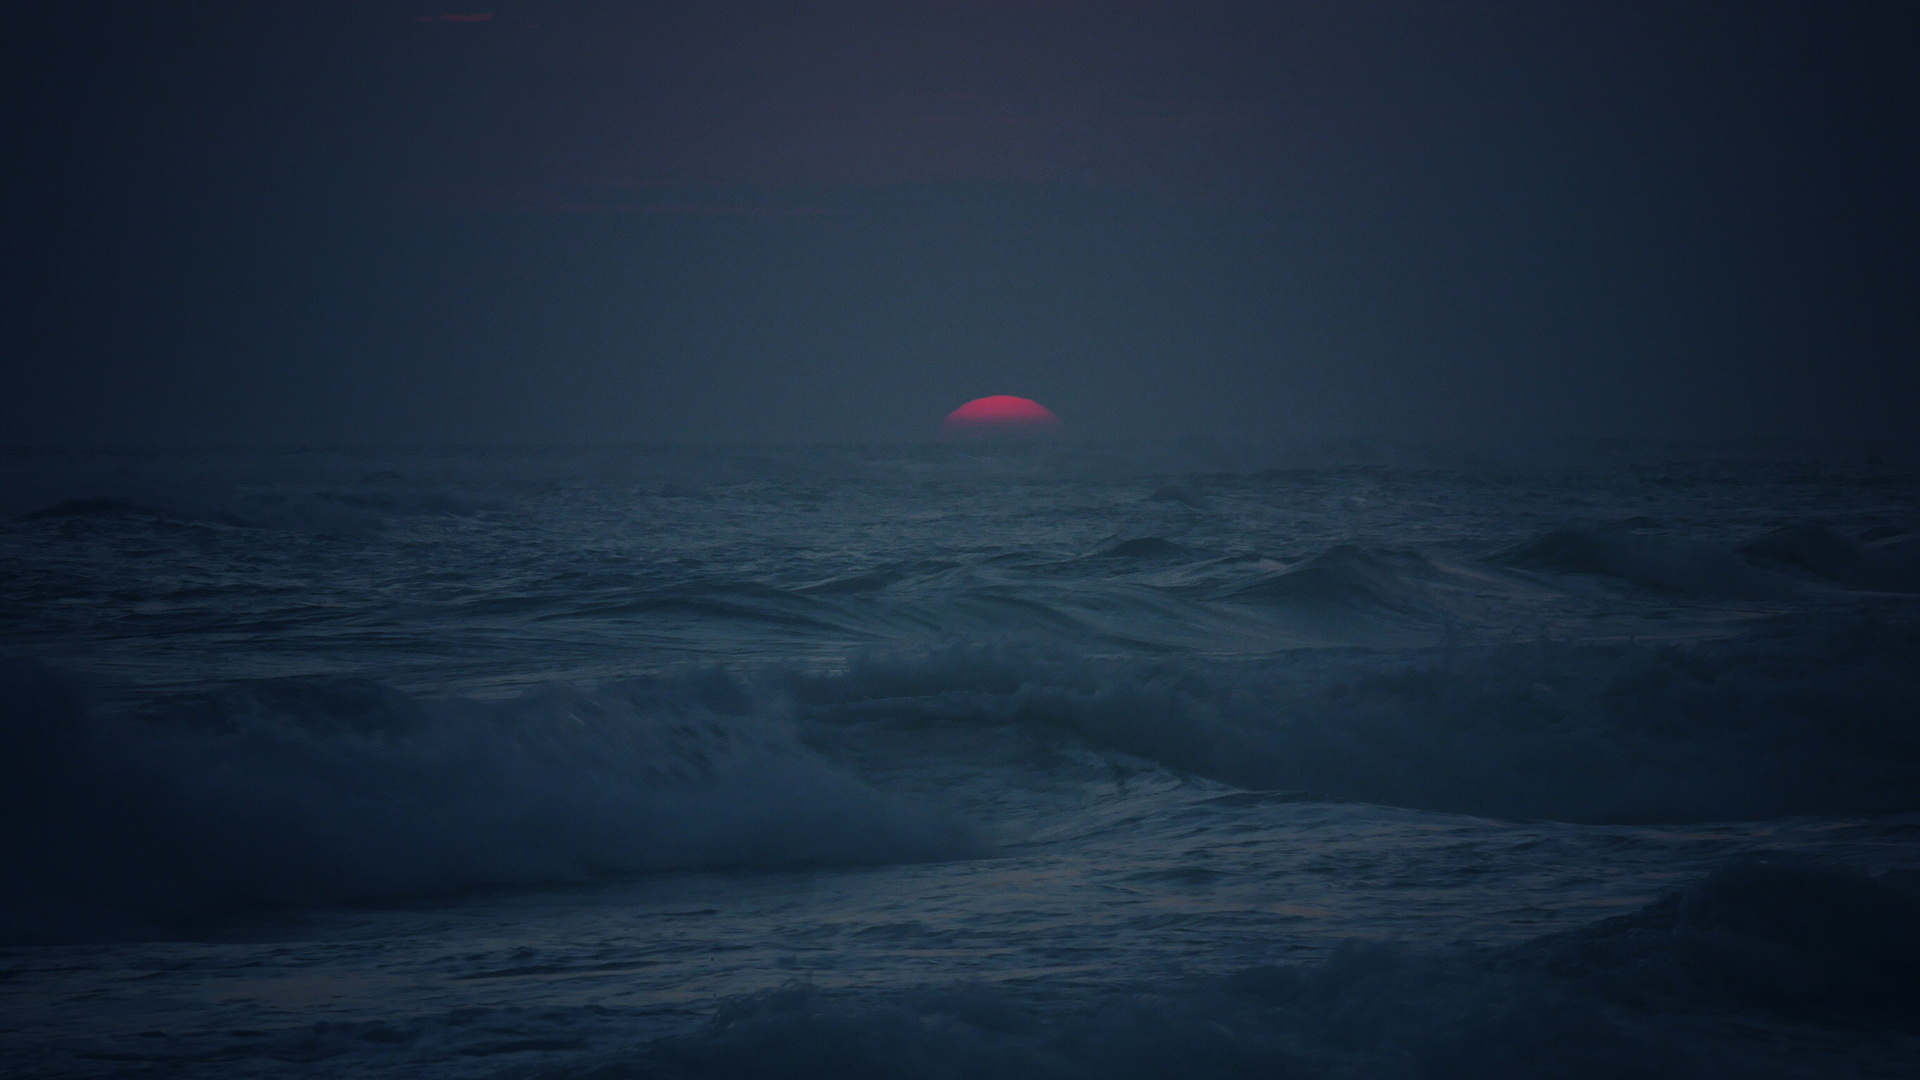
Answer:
[(1001, 414)]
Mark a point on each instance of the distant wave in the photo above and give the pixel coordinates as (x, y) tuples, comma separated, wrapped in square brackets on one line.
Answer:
[(1627, 551), (327, 791), (335, 507), (1348, 577), (1143, 547), (1773, 566), (82, 508)]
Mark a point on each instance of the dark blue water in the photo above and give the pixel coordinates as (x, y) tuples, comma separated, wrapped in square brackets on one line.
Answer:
[(1029, 760)]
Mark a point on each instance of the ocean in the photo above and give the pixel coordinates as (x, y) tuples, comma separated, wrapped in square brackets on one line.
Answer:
[(1011, 760)]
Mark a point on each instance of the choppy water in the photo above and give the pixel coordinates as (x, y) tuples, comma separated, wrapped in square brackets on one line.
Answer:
[(1043, 760)]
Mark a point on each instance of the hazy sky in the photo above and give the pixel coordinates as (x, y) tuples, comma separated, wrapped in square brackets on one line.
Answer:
[(401, 222)]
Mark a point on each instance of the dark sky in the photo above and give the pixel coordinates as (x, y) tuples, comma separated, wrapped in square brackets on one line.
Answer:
[(397, 222)]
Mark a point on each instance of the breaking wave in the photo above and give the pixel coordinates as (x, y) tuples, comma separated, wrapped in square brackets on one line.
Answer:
[(318, 791), (328, 791)]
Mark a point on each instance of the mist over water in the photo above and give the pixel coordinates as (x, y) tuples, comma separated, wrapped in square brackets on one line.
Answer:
[(1485, 645), (1048, 759)]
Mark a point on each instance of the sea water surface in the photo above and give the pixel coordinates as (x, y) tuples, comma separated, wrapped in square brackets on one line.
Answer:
[(1024, 760)]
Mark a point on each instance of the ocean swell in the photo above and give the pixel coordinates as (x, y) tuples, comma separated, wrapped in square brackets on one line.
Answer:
[(1801, 717), (1629, 552)]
